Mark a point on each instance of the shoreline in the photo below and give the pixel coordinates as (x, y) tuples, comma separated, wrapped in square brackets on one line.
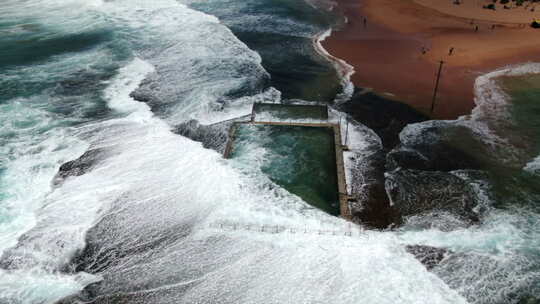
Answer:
[(388, 58), (344, 69), (487, 85)]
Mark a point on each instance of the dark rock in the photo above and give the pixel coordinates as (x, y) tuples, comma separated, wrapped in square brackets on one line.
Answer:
[(371, 207), (407, 158), (414, 192), (213, 137), (78, 166), (438, 146), (427, 255), (384, 116), (435, 157)]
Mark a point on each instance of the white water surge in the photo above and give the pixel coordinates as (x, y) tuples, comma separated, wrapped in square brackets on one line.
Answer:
[(344, 69)]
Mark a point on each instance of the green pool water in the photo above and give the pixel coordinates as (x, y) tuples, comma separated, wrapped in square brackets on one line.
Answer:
[(300, 159), (271, 112)]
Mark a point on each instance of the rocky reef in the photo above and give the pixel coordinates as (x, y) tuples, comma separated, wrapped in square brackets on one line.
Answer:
[(427, 173), (415, 192), (428, 255), (79, 166)]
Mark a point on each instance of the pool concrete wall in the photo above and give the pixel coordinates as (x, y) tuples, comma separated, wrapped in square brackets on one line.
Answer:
[(338, 148)]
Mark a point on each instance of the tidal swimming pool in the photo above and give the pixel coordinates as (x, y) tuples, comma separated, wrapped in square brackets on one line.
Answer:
[(301, 159)]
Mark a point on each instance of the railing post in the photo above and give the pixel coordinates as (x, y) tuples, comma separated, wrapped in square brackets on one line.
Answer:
[(436, 86), (347, 133)]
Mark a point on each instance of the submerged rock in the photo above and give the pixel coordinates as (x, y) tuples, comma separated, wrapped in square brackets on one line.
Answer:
[(427, 255), (404, 157), (437, 146), (213, 136), (414, 192), (477, 274), (78, 166)]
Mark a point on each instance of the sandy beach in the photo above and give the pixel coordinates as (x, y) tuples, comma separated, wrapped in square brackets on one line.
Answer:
[(396, 47)]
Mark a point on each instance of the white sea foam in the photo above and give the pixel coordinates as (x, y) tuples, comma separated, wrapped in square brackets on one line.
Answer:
[(533, 166), (33, 160), (344, 69), (28, 287), (127, 81)]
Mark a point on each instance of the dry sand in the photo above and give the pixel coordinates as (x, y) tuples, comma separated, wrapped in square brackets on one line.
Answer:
[(387, 51)]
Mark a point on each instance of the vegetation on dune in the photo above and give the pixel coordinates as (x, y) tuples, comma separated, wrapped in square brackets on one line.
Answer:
[(509, 4)]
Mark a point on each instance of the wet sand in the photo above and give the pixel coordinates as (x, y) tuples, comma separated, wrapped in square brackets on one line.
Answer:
[(386, 51)]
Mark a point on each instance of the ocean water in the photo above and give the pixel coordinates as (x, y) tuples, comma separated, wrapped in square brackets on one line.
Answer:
[(141, 225), (282, 32)]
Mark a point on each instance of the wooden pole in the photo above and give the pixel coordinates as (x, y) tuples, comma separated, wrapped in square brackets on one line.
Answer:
[(436, 86)]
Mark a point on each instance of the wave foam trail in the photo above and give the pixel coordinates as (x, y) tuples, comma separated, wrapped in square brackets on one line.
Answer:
[(344, 69), (533, 166)]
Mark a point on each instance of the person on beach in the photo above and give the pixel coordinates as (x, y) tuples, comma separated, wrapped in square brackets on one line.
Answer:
[(476, 28), (365, 21), (450, 51)]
